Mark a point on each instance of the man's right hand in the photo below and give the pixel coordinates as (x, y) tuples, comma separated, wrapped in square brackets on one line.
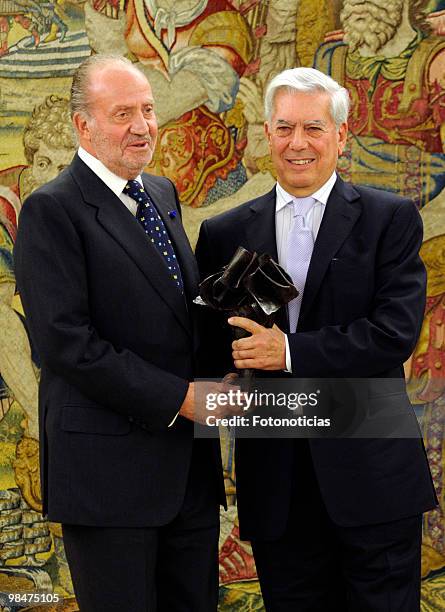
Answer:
[(195, 404)]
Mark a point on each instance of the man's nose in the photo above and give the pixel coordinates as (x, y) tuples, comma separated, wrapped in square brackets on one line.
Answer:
[(298, 139), (139, 123)]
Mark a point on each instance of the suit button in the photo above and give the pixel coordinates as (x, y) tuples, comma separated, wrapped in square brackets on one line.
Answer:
[(131, 419)]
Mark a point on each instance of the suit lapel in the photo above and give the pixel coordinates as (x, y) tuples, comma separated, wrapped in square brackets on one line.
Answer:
[(261, 237), (175, 229), (114, 217), (339, 218), (260, 229)]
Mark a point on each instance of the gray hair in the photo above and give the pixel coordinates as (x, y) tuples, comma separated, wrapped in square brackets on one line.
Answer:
[(308, 80), (79, 102)]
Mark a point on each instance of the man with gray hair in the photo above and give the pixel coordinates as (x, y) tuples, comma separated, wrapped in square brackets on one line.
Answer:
[(107, 278), (335, 523)]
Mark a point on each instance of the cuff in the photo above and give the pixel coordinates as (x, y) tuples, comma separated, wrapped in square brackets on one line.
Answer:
[(174, 418), (288, 357)]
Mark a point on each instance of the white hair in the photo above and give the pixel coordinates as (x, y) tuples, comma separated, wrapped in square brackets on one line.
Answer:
[(308, 80)]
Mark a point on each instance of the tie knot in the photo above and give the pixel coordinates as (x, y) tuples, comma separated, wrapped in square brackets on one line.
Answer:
[(301, 206), (134, 189)]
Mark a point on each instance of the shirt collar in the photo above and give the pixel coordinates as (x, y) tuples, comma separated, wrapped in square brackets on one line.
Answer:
[(321, 195), (112, 181)]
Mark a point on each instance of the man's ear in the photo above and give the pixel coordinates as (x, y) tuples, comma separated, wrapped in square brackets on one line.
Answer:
[(81, 125), (267, 132), (342, 137)]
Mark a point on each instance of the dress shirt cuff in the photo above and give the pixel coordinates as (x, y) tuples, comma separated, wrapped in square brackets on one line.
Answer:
[(288, 358), (174, 419)]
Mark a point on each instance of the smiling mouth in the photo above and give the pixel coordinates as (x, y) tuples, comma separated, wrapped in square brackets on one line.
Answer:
[(300, 162)]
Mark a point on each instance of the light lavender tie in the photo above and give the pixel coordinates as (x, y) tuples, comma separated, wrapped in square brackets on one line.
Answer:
[(299, 251)]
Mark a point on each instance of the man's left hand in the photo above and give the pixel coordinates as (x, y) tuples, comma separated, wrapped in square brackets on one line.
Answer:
[(265, 349)]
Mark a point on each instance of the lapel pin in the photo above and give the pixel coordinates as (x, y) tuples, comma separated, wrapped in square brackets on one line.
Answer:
[(172, 213)]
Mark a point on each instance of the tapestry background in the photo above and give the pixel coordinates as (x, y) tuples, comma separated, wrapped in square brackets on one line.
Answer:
[(208, 63)]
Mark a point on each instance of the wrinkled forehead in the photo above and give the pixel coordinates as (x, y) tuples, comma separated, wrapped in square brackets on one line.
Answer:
[(301, 107), (116, 83)]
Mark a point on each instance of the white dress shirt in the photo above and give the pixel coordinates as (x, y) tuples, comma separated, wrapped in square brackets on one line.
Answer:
[(284, 220), (111, 180)]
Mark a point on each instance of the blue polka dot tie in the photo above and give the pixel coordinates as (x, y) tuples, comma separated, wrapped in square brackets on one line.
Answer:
[(154, 227)]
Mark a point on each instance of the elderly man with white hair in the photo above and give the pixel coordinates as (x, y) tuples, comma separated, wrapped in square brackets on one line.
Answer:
[(335, 522)]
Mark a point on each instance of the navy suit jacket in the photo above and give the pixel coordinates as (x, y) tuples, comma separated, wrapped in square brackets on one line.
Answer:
[(117, 343), (360, 317)]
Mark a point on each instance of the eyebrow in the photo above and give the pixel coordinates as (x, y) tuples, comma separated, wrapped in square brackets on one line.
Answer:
[(319, 122), (127, 106)]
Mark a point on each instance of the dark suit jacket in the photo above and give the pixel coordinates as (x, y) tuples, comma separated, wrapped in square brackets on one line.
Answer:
[(117, 341), (360, 317)]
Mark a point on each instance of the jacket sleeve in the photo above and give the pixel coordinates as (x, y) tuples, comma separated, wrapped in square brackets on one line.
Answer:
[(52, 279), (386, 337), (214, 355)]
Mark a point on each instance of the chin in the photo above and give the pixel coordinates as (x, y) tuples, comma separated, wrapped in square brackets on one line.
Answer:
[(138, 163), (302, 182)]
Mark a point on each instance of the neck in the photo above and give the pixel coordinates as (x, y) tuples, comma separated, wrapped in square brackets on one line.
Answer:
[(122, 172)]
